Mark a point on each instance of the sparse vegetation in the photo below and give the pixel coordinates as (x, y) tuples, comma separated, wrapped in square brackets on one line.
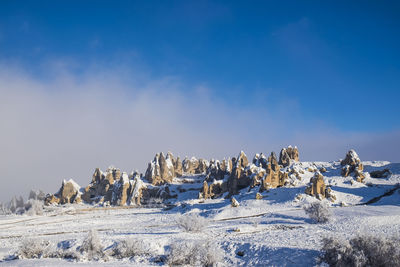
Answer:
[(199, 253), (129, 248), (32, 249), (318, 212), (34, 207), (192, 222), (361, 251), (92, 246)]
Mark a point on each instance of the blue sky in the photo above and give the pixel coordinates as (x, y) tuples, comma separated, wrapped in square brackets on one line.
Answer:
[(336, 59), (88, 84)]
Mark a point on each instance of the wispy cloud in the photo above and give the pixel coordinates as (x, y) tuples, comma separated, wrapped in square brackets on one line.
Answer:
[(66, 125)]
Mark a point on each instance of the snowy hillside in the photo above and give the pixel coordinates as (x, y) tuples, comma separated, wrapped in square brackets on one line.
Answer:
[(184, 224)]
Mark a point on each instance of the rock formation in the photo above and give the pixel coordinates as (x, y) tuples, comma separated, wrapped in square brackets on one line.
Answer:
[(318, 189), (163, 169), (234, 203), (288, 155), (352, 164), (238, 178), (100, 189), (317, 186), (213, 190), (178, 167), (226, 177), (380, 173), (275, 177), (69, 192)]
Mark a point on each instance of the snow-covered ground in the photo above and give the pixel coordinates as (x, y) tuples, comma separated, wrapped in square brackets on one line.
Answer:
[(273, 231)]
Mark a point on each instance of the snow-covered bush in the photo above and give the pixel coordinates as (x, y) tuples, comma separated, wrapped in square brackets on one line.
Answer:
[(129, 248), (63, 254), (38, 248), (192, 222), (155, 202), (361, 251), (34, 207), (92, 246), (195, 253), (32, 249), (318, 212), (4, 210)]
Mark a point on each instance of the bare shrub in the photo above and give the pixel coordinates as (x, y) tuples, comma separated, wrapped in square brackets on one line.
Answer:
[(34, 207), (92, 246), (198, 253), (32, 249), (4, 210), (192, 222), (318, 212), (361, 251), (63, 254), (155, 202), (130, 247)]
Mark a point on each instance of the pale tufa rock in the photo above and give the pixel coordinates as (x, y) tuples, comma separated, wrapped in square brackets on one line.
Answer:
[(234, 202), (288, 155)]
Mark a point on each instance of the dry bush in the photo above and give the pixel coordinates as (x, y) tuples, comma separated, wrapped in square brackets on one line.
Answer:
[(131, 247), (318, 212), (34, 207), (92, 246), (195, 253), (192, 222), (361, 251), (33, 249)]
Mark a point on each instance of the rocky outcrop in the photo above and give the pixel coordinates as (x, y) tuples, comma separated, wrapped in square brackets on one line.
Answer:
[(69, 192), (380, 173), (352, 164), (213, 190), (274, 176), (178, 167), (318, 189), (100, 189), (238, 178), (288, 155), (51, 200), (234, 203), (163, 169), (195, 166), (218, 170), (317, 186), (226, 177)]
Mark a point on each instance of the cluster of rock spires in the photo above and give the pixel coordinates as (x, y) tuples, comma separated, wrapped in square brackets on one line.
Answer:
[(235, 174), (221, 178)]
